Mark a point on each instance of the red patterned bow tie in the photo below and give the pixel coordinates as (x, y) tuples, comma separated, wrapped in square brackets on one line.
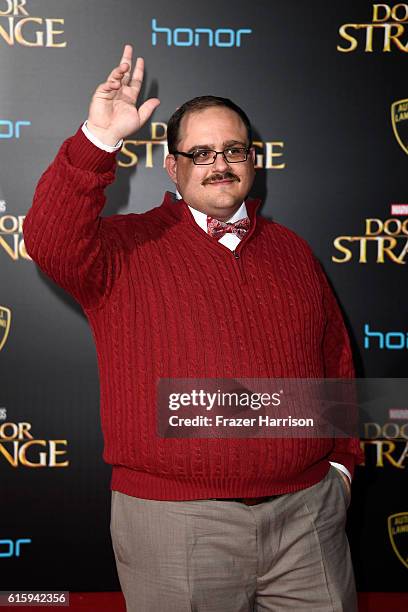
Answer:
[(217, 229)]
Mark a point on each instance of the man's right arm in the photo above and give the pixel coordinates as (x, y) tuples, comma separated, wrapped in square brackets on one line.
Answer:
[(63, 231)]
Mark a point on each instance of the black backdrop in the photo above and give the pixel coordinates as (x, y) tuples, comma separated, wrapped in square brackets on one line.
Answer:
[(329, 158)]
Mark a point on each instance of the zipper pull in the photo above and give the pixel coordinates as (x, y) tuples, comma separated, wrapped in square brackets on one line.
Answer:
[(236, 255)]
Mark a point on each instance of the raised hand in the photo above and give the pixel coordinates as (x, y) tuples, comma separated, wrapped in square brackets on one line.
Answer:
[(112, 113)]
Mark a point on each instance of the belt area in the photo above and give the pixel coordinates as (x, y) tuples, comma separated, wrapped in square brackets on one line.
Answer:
[(248, 501)]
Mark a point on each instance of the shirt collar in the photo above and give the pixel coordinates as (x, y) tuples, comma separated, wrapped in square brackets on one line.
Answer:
[(201, 218)]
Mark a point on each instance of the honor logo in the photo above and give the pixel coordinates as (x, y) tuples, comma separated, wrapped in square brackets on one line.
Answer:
[(12, 548), (391, 341), (11, 129), (187, 37)]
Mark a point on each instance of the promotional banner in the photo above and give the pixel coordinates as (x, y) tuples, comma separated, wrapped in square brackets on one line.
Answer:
[(323, 85)]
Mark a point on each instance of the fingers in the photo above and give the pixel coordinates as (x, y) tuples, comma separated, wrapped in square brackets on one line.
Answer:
[(137, 77), (127, 59), (115, 79), (127, 55), (121, 76), (147, 109), (118, 75)]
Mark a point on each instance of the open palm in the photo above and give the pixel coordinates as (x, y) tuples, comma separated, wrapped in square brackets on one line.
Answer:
[(112, 113)]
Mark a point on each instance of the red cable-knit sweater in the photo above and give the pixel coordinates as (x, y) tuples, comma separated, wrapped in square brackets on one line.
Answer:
[(164, 299)]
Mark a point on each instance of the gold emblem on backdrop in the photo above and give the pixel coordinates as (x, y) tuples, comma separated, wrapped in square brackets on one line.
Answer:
[(5, 320), (399, 118), (398, 532)]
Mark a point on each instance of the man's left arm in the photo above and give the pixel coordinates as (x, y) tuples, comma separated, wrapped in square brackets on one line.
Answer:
[(338, 363)]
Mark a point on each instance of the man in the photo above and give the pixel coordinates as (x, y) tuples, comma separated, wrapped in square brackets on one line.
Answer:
[(200, 287)]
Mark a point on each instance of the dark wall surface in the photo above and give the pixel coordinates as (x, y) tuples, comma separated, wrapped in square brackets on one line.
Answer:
[(331, 133)]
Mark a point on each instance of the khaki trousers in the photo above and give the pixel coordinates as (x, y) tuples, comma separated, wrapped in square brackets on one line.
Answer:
[(287, 554)]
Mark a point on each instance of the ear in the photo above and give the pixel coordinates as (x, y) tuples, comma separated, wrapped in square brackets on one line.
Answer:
[(171, 166), (252, 154)]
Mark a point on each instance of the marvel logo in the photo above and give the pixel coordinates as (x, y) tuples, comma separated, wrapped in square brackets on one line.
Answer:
[(399, 209)]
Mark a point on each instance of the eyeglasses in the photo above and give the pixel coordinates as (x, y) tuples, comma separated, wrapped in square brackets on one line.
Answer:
[(205, 157)]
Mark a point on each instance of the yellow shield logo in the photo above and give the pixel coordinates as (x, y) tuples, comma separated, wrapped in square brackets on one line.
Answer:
[(398, 532), (5, 320), (399, 118)]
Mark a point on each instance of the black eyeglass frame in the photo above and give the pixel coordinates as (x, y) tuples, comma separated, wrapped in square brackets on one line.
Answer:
[(191, 155)]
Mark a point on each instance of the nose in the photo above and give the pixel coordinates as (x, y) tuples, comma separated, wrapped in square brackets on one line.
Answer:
[(220, 164)]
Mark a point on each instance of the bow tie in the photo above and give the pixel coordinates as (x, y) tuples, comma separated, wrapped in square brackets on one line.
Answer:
[(217, 229)]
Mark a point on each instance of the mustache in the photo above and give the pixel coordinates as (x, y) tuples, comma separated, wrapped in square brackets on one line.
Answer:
[(221, 176)]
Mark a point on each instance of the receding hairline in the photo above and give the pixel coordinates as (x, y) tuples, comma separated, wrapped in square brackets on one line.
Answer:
[(199, 104), (197, 111)]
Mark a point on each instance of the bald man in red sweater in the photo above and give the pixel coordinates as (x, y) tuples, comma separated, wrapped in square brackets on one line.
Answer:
[(200, 287)]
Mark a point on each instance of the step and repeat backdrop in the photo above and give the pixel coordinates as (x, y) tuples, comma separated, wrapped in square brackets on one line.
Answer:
[(325, 86)]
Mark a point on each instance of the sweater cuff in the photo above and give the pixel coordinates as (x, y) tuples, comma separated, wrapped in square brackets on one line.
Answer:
[(83, 154)]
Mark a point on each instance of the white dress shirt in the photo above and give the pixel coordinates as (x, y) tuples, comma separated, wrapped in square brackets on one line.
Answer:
[(231, 241)]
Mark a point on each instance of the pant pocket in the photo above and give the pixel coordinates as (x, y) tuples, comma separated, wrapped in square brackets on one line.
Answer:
[(344, 489)]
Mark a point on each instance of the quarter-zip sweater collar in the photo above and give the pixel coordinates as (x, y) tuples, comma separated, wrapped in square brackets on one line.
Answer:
[(177, 208)]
